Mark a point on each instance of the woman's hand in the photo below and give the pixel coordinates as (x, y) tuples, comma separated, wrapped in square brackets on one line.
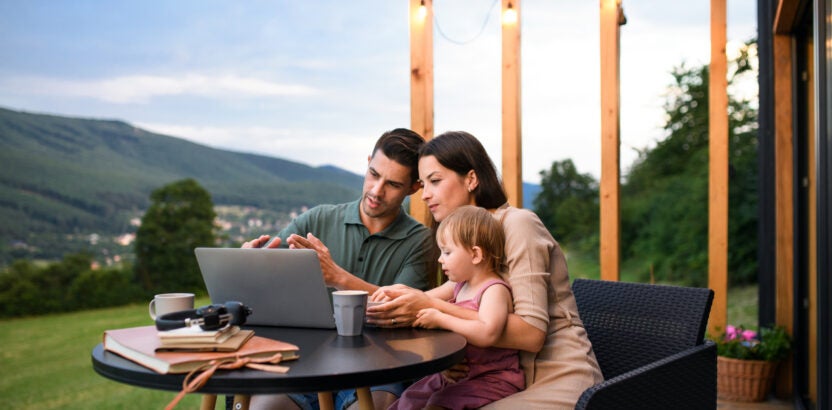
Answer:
[(403, 303), (380, 296)]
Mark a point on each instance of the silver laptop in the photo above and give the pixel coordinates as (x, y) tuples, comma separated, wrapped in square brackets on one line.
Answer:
[(283, 287)]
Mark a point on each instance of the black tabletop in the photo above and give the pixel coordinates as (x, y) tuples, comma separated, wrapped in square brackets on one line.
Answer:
[(327, 362)]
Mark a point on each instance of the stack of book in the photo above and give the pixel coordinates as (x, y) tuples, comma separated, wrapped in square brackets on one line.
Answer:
[(194, 339), (143, 345)]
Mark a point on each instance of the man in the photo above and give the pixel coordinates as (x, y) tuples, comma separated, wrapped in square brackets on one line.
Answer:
[(364, 244)]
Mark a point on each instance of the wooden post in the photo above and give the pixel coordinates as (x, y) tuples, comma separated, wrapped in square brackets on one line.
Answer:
[(421, 86), (718, 169), (209, 401), (325, 400), (783, 196), (783, 51), (242, 401), (611, 18), (365, 398), (512, 139)]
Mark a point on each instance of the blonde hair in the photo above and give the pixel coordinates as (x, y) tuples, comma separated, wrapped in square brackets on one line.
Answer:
[(471, 226)]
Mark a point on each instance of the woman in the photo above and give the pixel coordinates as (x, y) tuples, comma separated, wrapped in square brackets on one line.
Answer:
[(556, 354)]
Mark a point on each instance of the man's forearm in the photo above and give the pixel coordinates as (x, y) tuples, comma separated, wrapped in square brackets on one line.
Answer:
[(347, 281)]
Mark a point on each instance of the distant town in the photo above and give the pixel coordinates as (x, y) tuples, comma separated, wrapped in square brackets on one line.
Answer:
[(235, 225)]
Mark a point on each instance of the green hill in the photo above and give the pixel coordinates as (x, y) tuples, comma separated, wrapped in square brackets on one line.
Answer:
[(67, 182)]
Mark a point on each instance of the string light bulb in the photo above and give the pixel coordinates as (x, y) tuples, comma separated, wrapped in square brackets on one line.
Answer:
[(422, 12), (510, 15)]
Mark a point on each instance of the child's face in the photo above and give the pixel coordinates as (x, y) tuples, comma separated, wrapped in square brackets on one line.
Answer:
[(457, 261)]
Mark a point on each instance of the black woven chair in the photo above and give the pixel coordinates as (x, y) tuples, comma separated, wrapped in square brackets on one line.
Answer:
[(649, 342)]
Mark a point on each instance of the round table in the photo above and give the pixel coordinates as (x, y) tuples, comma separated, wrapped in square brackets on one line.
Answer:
[(327, 362)]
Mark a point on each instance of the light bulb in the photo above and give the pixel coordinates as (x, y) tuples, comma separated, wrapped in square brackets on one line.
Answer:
[(422, 12), (510, 15)]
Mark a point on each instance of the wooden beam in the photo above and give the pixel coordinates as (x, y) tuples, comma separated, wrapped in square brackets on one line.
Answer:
[(610, 185), (783, 194), (811, 188), (718, 169), (512, 135), (421, 86), (785, 18)]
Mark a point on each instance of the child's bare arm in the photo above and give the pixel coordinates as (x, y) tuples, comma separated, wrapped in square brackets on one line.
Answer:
[(444, 291), (485, 329)]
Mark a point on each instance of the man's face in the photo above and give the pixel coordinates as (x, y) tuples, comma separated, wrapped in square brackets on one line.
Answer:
[(386, 184)]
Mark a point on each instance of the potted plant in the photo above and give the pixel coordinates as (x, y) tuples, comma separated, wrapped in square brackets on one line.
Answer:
[(747, 359)]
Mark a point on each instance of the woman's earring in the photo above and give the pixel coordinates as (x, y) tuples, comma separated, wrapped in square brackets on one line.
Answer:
[(470, 189)]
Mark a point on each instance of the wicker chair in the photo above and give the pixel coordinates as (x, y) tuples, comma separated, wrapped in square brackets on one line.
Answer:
[(649, 342)]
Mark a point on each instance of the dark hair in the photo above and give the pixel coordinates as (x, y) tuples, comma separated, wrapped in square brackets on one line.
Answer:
[(402, 145), (461, 152)]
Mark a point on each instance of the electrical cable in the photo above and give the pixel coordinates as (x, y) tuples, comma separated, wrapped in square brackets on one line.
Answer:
[(463, 42)]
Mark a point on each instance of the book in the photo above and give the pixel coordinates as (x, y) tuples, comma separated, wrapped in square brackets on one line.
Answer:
[(231, 343), (139, 345), (195, 334)]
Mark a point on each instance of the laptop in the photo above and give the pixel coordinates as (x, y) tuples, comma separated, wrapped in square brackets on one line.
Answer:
[(283, 287)]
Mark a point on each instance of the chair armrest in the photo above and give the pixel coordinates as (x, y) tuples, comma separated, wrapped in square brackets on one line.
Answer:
[(686, 380)]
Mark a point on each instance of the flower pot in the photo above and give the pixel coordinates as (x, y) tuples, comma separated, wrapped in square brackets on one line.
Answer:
[(744, 380)]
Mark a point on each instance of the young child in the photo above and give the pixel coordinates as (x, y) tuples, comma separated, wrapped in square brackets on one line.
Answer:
[(472, 246)]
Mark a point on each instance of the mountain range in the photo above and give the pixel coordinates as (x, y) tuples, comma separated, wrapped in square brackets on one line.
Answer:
[(69, 176), (63, 180)]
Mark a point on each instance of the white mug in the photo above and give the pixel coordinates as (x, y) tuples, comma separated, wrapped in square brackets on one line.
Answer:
[(165, 303)]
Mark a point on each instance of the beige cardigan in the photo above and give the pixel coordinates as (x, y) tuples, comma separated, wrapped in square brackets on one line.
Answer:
[(565, 366)]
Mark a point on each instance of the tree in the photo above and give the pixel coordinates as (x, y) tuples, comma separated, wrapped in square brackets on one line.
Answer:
[(568, 202), (665, 196), (179, 219)]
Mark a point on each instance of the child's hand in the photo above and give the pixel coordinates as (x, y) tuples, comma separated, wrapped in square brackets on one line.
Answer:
[(428, 318)]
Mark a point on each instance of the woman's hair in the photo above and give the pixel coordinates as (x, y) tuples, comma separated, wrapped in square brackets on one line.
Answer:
[(461, 152), (470, 226)]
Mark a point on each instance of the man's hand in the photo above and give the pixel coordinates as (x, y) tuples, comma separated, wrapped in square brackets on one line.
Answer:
[(259, 242), (334, 276)]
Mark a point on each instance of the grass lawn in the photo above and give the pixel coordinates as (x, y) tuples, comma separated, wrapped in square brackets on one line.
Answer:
[(742, 301), (46, 363)]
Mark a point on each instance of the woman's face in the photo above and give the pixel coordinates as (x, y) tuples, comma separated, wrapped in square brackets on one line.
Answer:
[(443, 190)]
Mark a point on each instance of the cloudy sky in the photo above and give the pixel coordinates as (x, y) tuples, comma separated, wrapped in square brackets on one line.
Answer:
[(317, 81)]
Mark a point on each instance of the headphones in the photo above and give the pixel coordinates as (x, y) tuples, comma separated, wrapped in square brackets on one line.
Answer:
[(210, 317)]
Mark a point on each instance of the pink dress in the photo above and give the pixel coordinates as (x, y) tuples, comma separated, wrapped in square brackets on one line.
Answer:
[(494, 373)]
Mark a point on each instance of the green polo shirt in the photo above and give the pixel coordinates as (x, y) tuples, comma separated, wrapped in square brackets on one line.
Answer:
[(398, 254)]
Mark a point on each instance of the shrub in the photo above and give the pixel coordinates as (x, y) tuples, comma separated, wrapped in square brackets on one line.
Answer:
[(105, 287)]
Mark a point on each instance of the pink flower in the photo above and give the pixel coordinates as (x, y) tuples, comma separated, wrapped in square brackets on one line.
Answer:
[(767, 343), (730, 332)]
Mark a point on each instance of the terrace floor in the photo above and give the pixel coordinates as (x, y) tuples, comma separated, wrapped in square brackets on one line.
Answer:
[(770, 404)]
